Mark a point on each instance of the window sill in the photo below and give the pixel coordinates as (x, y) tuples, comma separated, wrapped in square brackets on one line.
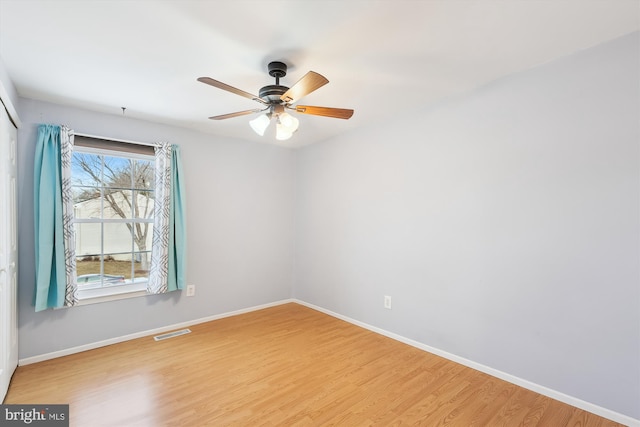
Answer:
[(111, 293)]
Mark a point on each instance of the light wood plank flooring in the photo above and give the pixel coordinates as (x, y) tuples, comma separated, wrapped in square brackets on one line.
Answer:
[(283, 366)]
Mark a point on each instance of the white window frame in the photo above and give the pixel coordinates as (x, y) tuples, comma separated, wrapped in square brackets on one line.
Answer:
[(113, 292)]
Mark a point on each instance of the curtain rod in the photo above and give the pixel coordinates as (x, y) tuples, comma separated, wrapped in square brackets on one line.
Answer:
[(150, 144)]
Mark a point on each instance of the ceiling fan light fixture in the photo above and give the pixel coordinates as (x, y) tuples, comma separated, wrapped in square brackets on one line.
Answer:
[(282, 133), (289, 122), (260, 124), (276, 98)]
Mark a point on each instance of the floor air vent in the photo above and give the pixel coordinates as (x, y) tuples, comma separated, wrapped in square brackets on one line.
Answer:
[(171, 334)]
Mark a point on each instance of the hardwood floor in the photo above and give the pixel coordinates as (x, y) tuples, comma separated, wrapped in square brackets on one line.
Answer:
[(283, 366)]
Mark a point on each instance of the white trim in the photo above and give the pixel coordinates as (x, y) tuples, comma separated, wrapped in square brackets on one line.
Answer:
[(6, 101), (109, 297), (86, 296), (570, 400), (114, 220), (141, 334)]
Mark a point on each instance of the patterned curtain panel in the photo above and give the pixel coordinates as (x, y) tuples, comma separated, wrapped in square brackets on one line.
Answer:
[(168, 253), (160, 244), (53, 216), (69, 235)]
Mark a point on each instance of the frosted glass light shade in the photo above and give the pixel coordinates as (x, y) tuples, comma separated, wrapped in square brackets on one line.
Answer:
[(282, 133), (289, 122), (260, 124)]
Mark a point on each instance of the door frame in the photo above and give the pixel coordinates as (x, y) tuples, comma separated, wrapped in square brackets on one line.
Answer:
[(9, 123)]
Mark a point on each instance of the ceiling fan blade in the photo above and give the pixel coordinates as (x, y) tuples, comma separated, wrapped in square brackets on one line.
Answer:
[(224, 86), (338, 113), (307, 84), (238, 114)]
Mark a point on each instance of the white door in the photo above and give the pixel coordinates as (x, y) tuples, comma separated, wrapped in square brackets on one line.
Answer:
[(8, 252)]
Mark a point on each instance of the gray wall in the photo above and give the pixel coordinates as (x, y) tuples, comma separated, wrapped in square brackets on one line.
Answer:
[(504, 225), (239, 212)]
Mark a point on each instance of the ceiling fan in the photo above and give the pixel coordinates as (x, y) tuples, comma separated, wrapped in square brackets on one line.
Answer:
[(277, 99)]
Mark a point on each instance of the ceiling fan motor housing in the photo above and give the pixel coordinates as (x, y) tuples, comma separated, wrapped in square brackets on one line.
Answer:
[(277, 98), (272, 93)]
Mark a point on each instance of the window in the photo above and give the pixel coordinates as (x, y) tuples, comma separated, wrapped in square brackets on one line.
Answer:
[(113, 203), (121, 214)]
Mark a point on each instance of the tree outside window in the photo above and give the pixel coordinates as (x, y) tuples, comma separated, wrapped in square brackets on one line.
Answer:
[(113, 206)]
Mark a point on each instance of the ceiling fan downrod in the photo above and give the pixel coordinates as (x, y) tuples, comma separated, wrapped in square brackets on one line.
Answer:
[(272, 93)]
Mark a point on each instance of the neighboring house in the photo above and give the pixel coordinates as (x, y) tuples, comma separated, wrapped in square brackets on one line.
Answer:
[(119, 237)]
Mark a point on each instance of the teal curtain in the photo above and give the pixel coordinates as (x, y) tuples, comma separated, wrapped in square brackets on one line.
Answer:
[(177, 226), (168, 254), (50, 257)]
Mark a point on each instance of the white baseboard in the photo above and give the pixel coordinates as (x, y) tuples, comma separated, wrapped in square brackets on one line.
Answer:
[(91, 346), (570, 400), (545, 391)]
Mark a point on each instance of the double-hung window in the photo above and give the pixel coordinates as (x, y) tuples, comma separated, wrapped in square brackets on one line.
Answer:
[(110, 219), (113, 204)]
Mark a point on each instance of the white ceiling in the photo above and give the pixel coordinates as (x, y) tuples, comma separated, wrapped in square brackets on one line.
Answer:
[(381, 57)]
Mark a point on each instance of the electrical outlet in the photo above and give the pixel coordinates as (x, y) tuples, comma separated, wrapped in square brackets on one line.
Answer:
[(387, 302), (191, 290)]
